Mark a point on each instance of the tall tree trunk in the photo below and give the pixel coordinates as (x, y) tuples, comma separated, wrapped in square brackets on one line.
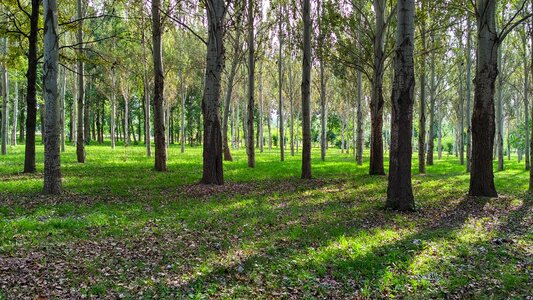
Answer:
[(399, 192), (113, 108), (5, 102), (376, 101), (251, 82), (499, 115), (422, 103), (280, 73), (182, 141), (21, 124), (269, 129), (229, 91), (261, 110), (213, 172), (15, 115), (468, 98), (460, 117), (432, 92), (31, 94), (526, 100), (360, 134), (306, 91), (80, 141), (62, 107), (481, 175), (531, 112), (126, 98), (159, 114), (146, 93), (74, 109), (52, 163), (439, 135), (323, 112)]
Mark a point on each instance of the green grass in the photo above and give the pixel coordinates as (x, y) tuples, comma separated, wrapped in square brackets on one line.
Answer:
[(124, 230)]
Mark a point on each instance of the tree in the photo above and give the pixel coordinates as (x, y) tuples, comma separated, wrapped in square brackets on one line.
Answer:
[(213, 172), (306, 91), (280, 74), (251, 69), (5, 102), (422, 103), (31, 92), (399, 191), (52, 164), (80, 141), (159, 114)]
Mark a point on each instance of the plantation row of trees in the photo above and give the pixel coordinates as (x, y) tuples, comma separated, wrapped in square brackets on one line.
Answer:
[(226, 74)]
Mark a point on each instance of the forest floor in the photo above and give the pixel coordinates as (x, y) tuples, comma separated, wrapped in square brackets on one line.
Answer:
[(121, 230)]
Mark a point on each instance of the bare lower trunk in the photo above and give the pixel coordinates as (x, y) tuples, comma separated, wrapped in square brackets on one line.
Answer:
[(306, 91), (526, 101), (360, 134), (159, 114), (52, 163), (113, 109), (499, 116), (15, 115), (468, 100), (251, 88), (146, 95), (399, 191), (280, 108), (5, 102), (31, 95), (261, 110), (483, 125), (432, 92), (212, 146), (422, 103), (80, 141)]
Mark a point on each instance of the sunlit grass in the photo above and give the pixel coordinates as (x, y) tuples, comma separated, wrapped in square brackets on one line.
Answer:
[(269, 234)]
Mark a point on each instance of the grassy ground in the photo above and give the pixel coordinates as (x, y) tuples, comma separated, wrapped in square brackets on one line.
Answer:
[(122, 230)]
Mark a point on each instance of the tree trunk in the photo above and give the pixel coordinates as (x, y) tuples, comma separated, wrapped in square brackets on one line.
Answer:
[(468, 99), (52, 164), (15, 115), (159, 114), (482, 176), (62, 107), (399, 192), (306, 91), (213, 172), (146, 93), (80, 141), (227, 100), (376, 102), (526, 100), (31, 96), (182, 140), (360, 134), (432, 91), (499, 115), (460, 117), (422, 103), (113, 108), (439, 135), (280, 73), (261, 110), (269, 128), (251, 82), (5, 102)]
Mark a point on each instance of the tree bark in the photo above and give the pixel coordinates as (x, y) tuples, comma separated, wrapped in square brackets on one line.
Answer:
[(62, 107), (5, 102), (306, 91), (52, 163), (15, 115), (146, 93), (213, 172), (80, 141), (399, 192), (499, 115), (422, 103), (432, 91), (227, 99), (526, 100), (251, 82), (483, 125), (360, 134), (31, 94), (280, 73), (113, 107), (468, 99), (376, 101), (182, 137), (159, 114)]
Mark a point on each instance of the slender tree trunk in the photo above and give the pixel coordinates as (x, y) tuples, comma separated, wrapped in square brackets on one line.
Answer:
[(159, 115), (62, 107), (227, 99), (306, 91), (182, 141), (31, 94), (251, 89), (531, 112), (21, 124), (126, 98), (439, 135), (261, 110), (52, 163), (376, 102), (468, 98), (460, 119), (5, 102), (526, 100), (113, 108), (399, 192), (15, 115), (280, 73), (146, 94), (212, 156), (432, 92), (422, 103), (360, 134), (483, 125), (269, 132), (80, 141), (499, 115)]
